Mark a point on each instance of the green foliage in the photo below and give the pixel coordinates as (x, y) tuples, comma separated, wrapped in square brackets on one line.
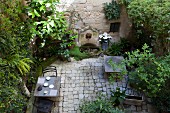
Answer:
[(48, 24), (46, 20), (14, 55), (44, 64), (148, 73), (151, 17), (125, 2), (119, 48), (100, 105), (14, 102), (75, 52), (162, 100), (112, 10), (117, 97)]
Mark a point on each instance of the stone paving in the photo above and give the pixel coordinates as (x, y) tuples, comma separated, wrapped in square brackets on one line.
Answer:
[(82, 80)]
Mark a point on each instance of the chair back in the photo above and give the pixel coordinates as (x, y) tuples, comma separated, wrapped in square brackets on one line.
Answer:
[(44, 105), (50, 71)]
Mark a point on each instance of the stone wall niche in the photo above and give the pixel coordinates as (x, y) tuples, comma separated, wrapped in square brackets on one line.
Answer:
[(88, 36)]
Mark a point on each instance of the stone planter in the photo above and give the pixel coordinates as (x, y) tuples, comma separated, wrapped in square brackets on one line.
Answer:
[(105, 45), (133, 100)]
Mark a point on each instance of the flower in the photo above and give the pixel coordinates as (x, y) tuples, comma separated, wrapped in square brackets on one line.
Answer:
[(103, 37)]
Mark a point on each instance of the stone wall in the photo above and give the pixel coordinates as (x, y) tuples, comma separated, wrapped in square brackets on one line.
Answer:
[(82, 13)]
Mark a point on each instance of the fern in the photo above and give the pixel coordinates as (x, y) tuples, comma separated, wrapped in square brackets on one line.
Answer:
[(23, 65)]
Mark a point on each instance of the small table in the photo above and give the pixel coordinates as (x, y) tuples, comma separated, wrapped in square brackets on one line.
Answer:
[(115, 59), (50, 92)]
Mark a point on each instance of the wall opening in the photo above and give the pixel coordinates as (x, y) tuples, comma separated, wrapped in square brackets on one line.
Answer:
[(114, 27), (88, 36)]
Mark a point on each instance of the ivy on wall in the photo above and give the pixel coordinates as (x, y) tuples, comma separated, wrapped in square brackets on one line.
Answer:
[(112, 10)]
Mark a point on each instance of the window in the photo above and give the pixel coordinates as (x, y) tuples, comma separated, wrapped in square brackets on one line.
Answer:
[(114, 27)]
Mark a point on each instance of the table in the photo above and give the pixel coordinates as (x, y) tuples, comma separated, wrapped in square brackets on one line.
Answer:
[(51, 92), (115, 59)]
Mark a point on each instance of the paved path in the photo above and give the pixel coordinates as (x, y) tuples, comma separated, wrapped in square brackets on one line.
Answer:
[(82, 80)]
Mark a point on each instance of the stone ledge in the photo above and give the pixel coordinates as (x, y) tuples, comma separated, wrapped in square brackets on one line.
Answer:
[(133, 102)]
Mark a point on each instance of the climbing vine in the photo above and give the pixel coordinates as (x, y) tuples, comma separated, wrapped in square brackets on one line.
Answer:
[(112, 10)]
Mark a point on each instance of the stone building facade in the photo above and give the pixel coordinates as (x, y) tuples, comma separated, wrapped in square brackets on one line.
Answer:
[(89, 13)]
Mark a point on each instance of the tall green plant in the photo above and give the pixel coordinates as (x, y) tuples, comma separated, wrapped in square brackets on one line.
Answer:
[(151, 17)]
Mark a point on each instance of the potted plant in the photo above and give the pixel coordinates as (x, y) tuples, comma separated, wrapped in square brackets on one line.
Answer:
[(104, 40)]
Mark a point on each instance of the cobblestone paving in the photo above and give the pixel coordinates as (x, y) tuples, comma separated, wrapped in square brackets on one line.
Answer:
[(82, 80)]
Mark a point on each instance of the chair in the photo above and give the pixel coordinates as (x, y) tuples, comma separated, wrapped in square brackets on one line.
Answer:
[(50, 69), (44, 105)]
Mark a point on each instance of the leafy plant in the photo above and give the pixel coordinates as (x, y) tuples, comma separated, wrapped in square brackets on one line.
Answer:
[(117, 97), (151, 17), (48, 24), (100, 105), (162, 100), (15, 56), (119, 48), (75, 52), (112, 10), (125, 2), (148, 73), (10, 100)]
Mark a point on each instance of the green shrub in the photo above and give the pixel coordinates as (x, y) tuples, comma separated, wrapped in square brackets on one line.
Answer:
[(49, 25), (119, 48), (75, 52), (100, 105), (162, 100), (15, 56), (11, 100), (147, 72), (151, 18)]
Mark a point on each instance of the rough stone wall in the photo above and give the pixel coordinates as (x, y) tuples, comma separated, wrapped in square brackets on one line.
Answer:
[(90, 13)]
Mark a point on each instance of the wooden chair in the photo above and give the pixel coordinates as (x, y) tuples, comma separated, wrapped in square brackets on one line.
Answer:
[(43, 105)]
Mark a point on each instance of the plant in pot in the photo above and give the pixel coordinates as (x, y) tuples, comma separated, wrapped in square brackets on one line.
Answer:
[(104, 40)]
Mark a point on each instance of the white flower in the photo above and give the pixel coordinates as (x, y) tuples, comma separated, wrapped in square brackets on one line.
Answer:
[(101, 36), (104, 36)]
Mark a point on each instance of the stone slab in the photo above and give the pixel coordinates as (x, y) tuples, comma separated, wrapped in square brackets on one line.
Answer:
[(115, 59)]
